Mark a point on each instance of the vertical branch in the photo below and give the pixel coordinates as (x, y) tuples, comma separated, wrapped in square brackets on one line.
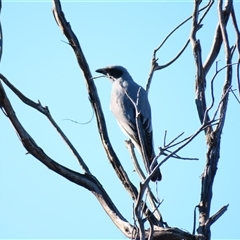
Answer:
[(214, 137), (228, 61), (93, 96), (237, 46), (200, 99), (1, 36), (217, 40), (200, 83)]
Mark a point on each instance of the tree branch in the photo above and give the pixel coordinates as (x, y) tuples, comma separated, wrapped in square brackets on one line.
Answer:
[(228, 80), (1, 36), (237, 46), (155, 66), (86, 180), (200, 83), (217, 40), (214, 137), (94, 99), (216, 216), (151, 198), (45, 111)]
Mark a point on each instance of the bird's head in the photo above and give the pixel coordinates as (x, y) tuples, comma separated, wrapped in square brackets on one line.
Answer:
[(114, 72)]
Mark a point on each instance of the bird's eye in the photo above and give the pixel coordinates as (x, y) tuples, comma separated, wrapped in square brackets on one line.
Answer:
[(116, 73)]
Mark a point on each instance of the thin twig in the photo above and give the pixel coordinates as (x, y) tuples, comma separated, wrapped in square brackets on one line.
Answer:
[(137, 211), (211, 90), (207, 7), (151, 198), (194, 219), (220, 102), (228, 80), (165, 138), (235, 95), (1, 35), (190, 138), (237, 46), (217, 40), (174, 140), (155, 66)]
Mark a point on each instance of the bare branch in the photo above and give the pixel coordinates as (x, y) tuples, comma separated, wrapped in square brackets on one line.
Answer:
[(228, 81), (86, 180), (187, 141), (138, 211), (45, 111), (217, 40), (216, 216), (137, 167), (171, 142), (214, 137), (91, 183), (235, 94), (238, 75), (155, 66), (94, 99), (194, 220), (151, 198), (207, 7), (200, 75), (220, 102), (159, 67), (237, 46), (212, 93), (1, 34), (150, 237)]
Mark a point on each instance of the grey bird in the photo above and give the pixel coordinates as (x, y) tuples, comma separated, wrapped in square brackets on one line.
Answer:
[(125, 93)]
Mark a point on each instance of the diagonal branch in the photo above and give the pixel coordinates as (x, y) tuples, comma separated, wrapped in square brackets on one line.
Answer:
[(212, 93), (95, 101), (86, 180), (46, 112), (228, 62), (155, 66), (216, 216), (151, 198), (93, 96), (200, 83), (217, 40), (234, 20)]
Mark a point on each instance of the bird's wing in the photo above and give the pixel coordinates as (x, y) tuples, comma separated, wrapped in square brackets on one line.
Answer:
[(148, 138), (125, 113), (132, 131)]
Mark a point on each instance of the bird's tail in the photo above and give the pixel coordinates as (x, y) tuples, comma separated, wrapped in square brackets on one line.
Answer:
[(157, 175)]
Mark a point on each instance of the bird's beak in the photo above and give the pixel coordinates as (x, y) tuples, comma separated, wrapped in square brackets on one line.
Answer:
[(101, 70)]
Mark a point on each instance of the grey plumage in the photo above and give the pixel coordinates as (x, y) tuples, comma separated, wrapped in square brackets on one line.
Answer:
[(124, 89)]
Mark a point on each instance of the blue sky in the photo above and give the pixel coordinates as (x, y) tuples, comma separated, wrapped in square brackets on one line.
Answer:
[(38, 203)]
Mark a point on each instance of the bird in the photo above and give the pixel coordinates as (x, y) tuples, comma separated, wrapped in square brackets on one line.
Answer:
[(125, 96)]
